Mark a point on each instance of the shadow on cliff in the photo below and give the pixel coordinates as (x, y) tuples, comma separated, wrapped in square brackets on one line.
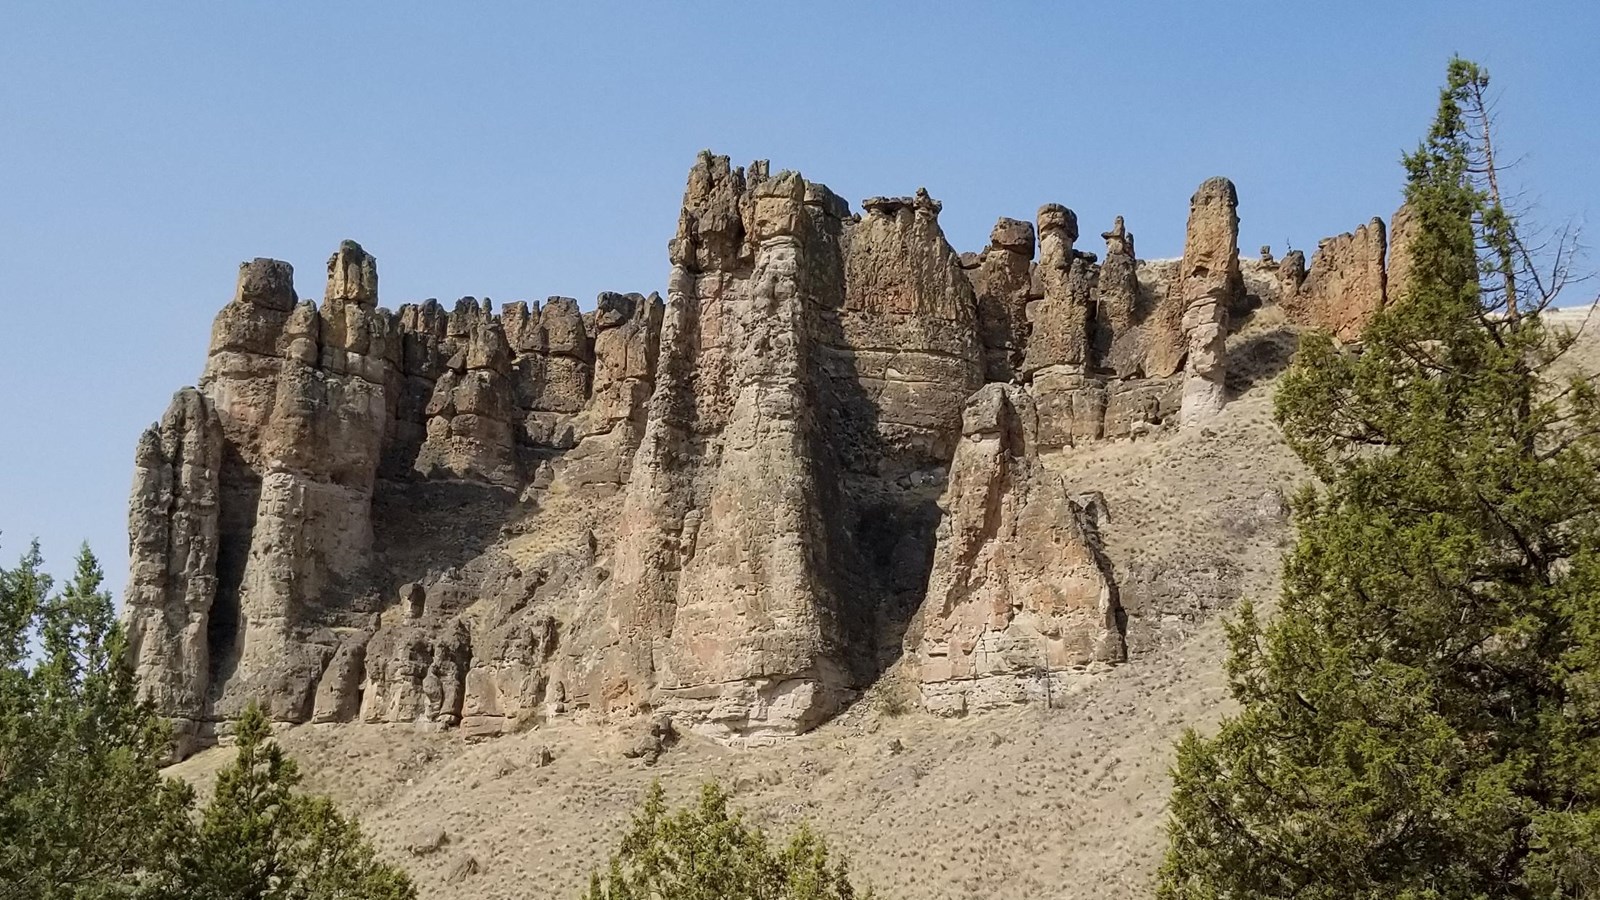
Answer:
[(1260, 358), (878, 504), (239, 494), (421, 528)]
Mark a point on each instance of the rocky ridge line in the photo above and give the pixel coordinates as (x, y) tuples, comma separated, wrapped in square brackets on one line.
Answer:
[(821, 457)]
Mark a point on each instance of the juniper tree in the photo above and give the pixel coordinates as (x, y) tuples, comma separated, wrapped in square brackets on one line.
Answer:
[(1421, 718), (707, 851), (260, 839), (84, 810)]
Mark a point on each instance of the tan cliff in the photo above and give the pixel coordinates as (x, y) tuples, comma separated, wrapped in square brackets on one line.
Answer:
[(818, 460)]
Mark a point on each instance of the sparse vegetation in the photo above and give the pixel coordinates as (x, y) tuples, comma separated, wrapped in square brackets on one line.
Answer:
[(892, 696)]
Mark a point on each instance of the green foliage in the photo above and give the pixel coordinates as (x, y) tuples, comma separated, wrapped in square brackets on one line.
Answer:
[(1422, 717), (260, 839), (708, 852), (85, 813)]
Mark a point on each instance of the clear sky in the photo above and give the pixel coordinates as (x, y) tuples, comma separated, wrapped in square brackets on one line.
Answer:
[(523, 150)]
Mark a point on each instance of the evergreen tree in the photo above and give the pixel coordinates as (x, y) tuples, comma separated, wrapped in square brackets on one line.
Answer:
[(84, 811), (708, 852), (260, 840), (1421, 719)]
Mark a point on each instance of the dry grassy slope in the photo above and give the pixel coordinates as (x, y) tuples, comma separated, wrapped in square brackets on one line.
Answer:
[(1064, 802)]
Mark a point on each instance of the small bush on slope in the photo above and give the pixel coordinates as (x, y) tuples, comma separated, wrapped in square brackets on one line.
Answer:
[(707, 852)]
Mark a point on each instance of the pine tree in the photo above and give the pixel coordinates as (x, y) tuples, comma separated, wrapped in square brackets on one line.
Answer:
[(259, 839), (1421, 719), (84, 810), (707, 851)]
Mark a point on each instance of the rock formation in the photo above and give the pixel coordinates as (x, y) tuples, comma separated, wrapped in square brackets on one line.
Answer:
[(716, 598), (728, 507), (1020, 597), (1397, 266), (172, 549), (1208, 281), (1118, 343), (1351, 276), (1345, 284), (799, 349), (1001, 279)]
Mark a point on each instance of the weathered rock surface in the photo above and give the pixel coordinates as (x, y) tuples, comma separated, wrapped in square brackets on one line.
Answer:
[(1208, 283), (1351, 276), (1020, 599), (728, 506), (1001, 280), (1119, 343), (172, 544), (716, 598), (1059, 341), (1345, 284), (1397, 270), (800, 349)]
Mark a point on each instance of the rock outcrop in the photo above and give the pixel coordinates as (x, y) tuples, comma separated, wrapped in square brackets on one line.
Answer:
[(1208, 283), (1021, 600), (1351, 277), (716, 599), (825, 452), (1001, 279), (172, 550), (1397, 266), (1345, 284), (801, 348), (1119, 343)]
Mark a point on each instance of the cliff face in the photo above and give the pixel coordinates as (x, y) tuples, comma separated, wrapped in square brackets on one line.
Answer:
[(822, 454)]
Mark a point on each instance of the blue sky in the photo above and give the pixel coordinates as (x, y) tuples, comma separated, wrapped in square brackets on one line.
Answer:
[(524, 150)]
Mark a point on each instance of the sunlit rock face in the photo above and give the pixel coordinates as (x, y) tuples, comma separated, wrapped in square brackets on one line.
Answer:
[(820, 457)]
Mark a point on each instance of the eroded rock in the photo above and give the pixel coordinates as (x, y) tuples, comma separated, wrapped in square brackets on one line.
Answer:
[(1020, 601), (727, 506), (172, 549), (1208, 283), (1001, 280), (1345, 285)]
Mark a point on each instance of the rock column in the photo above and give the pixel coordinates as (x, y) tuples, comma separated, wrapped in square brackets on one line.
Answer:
[(172, 550), (1208, 281), (717, 606), (1001, 281), (316, 455), (1119, 342)]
